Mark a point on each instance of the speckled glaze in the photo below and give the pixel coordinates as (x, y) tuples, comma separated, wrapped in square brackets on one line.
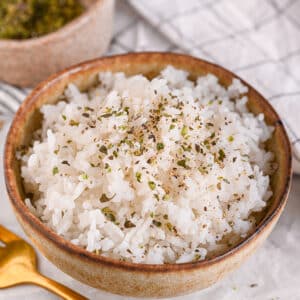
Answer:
[(123, 277), (27, 62)]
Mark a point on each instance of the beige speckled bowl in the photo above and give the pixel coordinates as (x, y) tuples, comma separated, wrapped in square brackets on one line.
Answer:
[(27, 62), (124, 277)]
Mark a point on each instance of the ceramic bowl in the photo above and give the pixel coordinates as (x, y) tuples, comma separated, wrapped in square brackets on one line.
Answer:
[(27, 62), (124, 277)]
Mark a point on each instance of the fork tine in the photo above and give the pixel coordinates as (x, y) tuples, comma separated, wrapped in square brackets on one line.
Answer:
[(7, 236)]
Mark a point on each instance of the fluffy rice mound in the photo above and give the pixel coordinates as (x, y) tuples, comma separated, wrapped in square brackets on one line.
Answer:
[(150, 171)]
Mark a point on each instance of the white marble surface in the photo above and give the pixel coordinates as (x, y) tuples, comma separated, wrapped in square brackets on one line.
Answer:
[(274, 268)]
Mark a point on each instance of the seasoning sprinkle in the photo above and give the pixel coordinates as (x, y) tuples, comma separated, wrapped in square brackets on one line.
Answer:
[(103, 149), (55, 170), (84, 176), (109, 214), (65, 162), (230, 138), (104, 198), (156, 223), (160, 146), (152, 185), (129, 224), (221, 155), (182, 163), (138, 176), (184, 131), (73, 123)]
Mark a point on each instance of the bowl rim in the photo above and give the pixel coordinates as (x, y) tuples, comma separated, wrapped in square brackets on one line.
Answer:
[(56, 35), (65, 245)]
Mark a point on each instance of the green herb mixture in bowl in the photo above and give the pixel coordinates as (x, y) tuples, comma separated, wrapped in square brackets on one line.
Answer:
[(24, 19), (41, 37)]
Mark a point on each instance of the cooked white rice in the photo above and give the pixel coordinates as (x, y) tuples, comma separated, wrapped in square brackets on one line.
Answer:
[(150, 171)]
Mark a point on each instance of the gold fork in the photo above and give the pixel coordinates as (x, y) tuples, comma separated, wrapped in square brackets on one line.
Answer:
[(18, 265)]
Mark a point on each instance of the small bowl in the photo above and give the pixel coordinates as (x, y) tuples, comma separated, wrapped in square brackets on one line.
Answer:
[(27, 62), (127, 278)]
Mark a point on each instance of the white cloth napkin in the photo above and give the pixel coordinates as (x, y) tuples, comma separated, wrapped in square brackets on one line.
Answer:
[(260, 41)]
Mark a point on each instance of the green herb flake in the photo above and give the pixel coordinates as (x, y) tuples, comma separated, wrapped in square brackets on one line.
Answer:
[(64, 117), (138, 176), (86, 115), (184, 131), (87, 108), (109, 214), (107, 167), (126, 109), (170, 226), (55, 170), (172, 126), (221, 155), (106, 115), (186, 148), (182, 163), (202, 170), (103, 149), (160, 146), (129, 224), (152, 185), (104, 198), (150, 161), (226, 180), (156, 223), (197, 257), (197, 148), (138, 152), (206, 142), (166, 197), (129, 143), (156, 196), (73, 123), (84, 176), (230, 139)]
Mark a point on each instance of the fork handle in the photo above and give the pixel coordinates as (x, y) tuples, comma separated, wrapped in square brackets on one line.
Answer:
[(54, 287)]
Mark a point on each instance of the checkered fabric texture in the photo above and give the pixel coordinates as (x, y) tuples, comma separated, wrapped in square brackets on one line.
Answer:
[(257, 39)]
